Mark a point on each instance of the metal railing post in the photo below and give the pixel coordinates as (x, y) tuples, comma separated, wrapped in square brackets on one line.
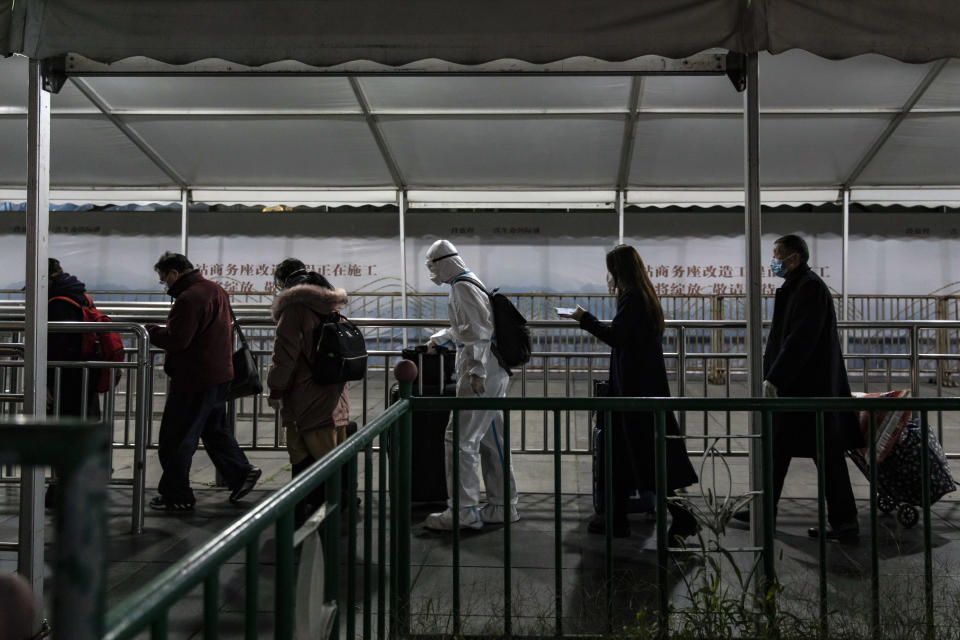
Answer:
[(402, 515), (663, 586), (144, 408)]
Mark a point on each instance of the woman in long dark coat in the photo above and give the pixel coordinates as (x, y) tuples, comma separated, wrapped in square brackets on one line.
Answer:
[(637, 369)]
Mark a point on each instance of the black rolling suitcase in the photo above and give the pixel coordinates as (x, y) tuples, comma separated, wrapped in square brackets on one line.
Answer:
[(428, 481), (640, 502)]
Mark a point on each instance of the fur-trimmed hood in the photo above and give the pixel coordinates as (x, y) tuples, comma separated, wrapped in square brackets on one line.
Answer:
[(316, 298)]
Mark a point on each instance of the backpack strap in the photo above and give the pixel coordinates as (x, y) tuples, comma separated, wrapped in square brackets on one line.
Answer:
[(74, 302), (471, 281), (66, 299)]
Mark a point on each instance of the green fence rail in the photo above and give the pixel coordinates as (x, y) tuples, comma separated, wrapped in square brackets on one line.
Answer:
[(148, 608), (79, 453)]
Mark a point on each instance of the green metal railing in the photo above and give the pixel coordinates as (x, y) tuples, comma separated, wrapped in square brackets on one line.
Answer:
[(79, 452), (149, 607)]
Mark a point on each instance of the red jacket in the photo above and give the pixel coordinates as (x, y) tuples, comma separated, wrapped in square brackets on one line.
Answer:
[(198, 337)]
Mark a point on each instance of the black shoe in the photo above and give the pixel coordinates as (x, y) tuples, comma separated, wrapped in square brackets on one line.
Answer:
[(247, 485), (742, 516), (162, 504), (621, 529), (844, 536)]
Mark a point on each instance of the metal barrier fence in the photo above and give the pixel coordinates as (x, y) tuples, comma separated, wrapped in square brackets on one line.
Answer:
[(136, 405), (702, 346), (79, 453), (149, 607)]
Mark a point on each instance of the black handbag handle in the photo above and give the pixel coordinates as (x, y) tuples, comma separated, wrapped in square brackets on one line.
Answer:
[(236, 327)]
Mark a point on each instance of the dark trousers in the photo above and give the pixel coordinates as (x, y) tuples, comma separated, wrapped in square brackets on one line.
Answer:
[(188, 418), (841, 505)]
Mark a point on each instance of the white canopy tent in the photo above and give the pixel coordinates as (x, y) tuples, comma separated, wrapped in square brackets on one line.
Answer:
[(820, 127), (494, 140)]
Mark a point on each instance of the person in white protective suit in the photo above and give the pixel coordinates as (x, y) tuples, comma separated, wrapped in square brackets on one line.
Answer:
[(478, 374)]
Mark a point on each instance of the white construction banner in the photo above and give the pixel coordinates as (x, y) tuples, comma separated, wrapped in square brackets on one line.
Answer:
[(686, 253)]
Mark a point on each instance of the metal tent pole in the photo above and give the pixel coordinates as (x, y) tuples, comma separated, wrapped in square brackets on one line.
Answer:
[(402, 204), (751, 138), (30, 549), (621, 197), (184, 220), (845, 258)]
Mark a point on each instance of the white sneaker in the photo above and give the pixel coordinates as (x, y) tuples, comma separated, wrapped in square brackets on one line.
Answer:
[(493, 513), (443, 521)]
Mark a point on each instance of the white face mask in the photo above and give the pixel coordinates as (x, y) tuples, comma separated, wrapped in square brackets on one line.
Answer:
[(434, 278)]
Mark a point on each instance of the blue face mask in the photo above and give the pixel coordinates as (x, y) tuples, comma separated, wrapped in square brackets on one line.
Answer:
[(776, 266)]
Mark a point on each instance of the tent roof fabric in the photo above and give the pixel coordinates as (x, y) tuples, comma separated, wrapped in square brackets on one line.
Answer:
[(305, 139), (256, 32)]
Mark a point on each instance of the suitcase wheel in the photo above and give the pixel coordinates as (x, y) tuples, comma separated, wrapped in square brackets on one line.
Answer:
[(907, 515), (886, 504)]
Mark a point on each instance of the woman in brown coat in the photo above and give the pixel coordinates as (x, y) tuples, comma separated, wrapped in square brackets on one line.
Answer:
[(315, 416)]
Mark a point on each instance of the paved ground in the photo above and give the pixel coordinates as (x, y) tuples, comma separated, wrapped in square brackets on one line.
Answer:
[(134, 560)]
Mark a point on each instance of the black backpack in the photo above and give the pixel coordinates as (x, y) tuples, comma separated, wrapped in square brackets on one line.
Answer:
[(339, 351), (511, 336)]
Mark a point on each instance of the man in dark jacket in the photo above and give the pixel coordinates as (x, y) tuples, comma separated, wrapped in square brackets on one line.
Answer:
[(803, 359), (67, 296), (198, 342)]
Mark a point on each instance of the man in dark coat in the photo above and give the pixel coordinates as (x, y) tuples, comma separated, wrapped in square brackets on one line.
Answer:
[(803, 359), (198, 340), (66, 297)]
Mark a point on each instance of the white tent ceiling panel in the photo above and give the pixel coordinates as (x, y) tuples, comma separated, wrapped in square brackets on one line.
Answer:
[(797, 79), (945, 90), (478, 93), (268, 152), (708, 151), (86, 151), (13, 81), (228, 93), (91, 151), (506, 152), (924, 150), (13, 160), (699, 92)]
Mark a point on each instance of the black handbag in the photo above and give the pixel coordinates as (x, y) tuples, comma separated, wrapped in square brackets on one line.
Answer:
[(246, 372)]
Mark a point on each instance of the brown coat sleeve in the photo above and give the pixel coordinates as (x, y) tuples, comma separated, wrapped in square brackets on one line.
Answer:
[(287, 348)]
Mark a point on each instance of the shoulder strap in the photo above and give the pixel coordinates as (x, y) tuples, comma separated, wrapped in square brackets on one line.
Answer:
[(236, 326), (471, 281), (66, 299)]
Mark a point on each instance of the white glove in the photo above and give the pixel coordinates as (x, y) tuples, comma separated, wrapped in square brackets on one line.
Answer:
[(769, 391), (476, 383), (431, 347), (275, 403)]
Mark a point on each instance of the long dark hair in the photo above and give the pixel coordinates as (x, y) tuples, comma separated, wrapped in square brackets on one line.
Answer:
[(629, 274)]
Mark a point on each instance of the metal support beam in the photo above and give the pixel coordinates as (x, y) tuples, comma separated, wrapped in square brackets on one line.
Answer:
[(374, 124), (130, 134), (629, 132), (30, 551), (280, 113), (895, 123), (698, 64), (184, 220), (402, 205), (751, 175)]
